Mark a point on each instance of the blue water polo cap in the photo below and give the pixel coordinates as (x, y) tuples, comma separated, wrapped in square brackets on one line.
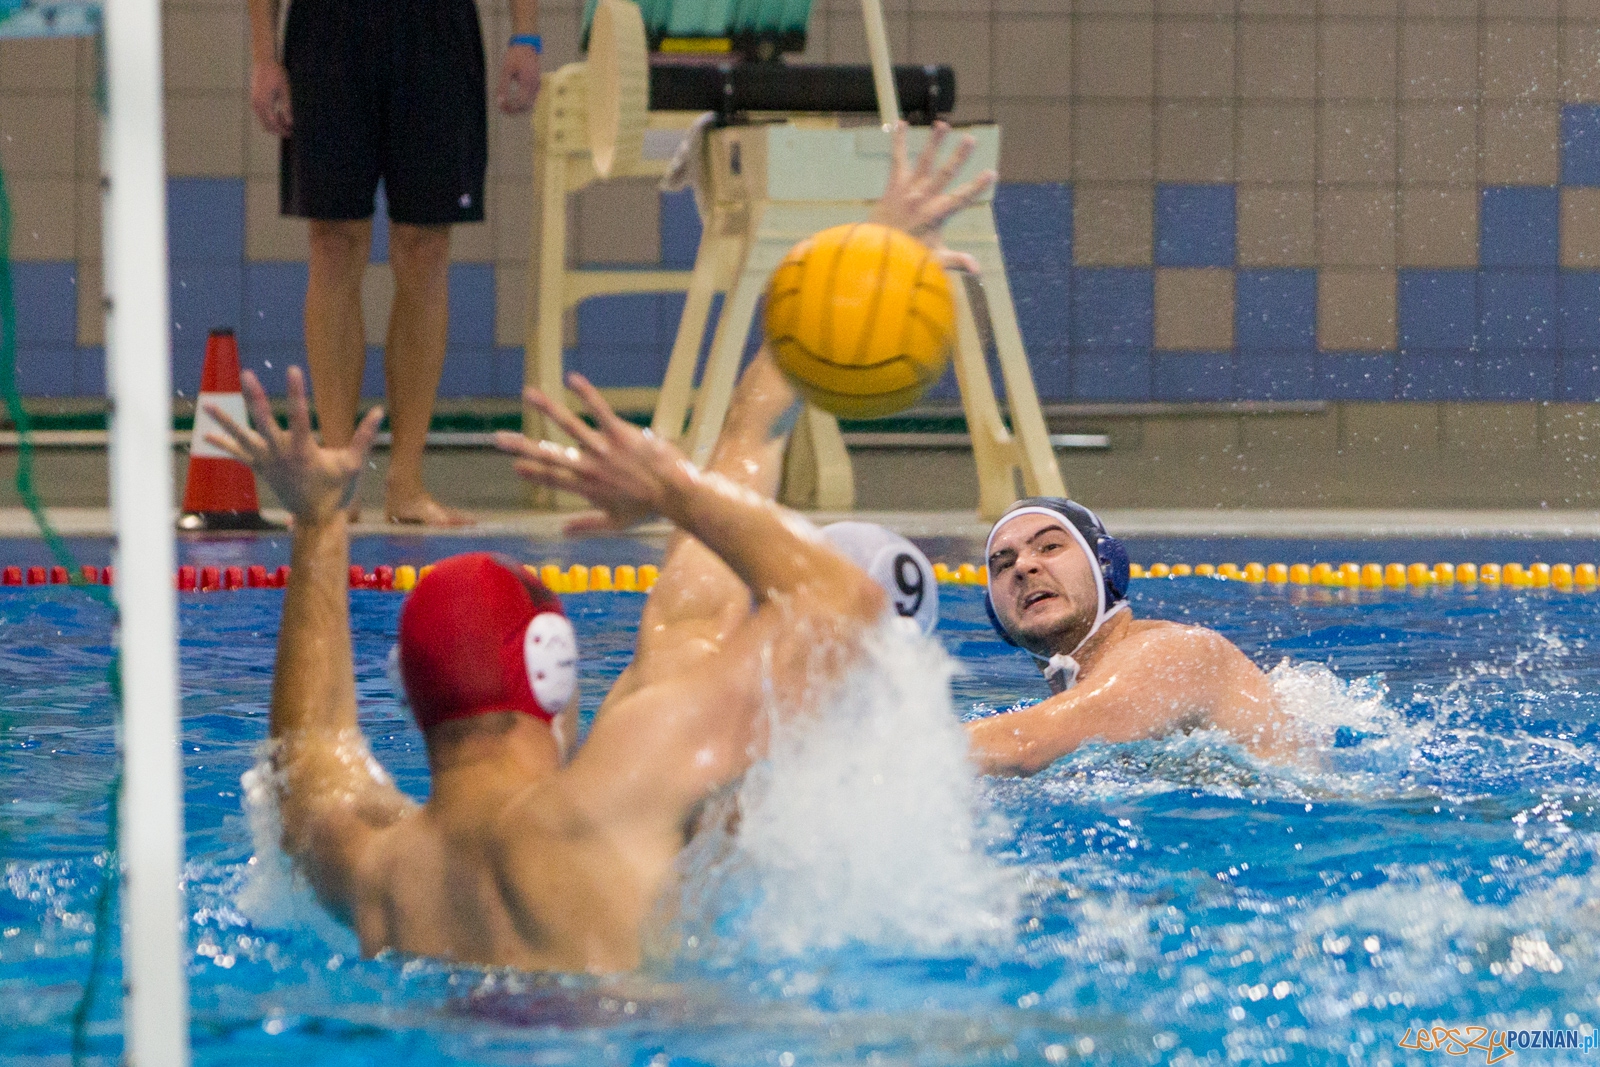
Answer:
[(1105, 552)]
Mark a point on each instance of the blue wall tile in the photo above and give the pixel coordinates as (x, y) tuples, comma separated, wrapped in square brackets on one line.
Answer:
[(1580, 309), (1517, 376), (610, 321), (1520, 226), (1116, 375), (1435, 375), (1191, 376), (619, 365), (1579, 379), (1195, 226), (1518, 310), (46, 296), (379, 252), (372, 380), (1052, 371), (1035, 225), (204, 297), (47, 371), (1043, 301), (1113, 307), (271, 363), (1580, 144), (468, 371), (90, 379), (1357, 375), (1276, 309), (205, 220), (508, 370), (1438, 309), (274, 305), (1263, 374), (472, 304), (680, 230)]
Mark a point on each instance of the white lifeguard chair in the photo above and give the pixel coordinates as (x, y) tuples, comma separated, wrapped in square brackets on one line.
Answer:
[(766, 186)]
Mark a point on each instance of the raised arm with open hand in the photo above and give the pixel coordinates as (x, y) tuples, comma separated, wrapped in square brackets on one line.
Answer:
[(311, 481), (918, 199)]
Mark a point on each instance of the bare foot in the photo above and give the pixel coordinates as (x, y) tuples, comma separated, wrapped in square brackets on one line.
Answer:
[(426, 511)]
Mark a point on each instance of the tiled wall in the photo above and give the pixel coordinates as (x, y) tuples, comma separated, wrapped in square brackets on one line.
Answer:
[(1205, 199)]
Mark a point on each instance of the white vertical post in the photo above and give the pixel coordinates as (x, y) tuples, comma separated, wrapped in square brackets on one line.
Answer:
[(882, 69), (138, 356)]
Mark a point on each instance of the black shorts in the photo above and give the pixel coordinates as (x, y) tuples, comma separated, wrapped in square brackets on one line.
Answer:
[(390, 89)]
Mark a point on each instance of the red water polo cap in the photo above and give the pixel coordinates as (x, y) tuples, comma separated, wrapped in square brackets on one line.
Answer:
[(480, 634)]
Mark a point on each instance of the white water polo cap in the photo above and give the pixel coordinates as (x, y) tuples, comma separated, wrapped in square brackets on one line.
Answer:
[(1107, 557), (898, 566)]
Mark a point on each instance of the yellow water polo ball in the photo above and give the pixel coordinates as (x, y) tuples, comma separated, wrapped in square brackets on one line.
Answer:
[(861, 319)]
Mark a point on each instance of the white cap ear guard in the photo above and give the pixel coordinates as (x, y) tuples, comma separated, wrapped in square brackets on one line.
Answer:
[(899, 567), (550, 652)]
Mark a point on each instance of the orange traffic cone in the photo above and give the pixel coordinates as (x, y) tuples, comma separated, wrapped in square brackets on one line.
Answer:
[(220, 492)]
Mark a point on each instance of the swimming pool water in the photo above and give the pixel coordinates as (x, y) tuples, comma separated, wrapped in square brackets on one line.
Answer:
[(1431, 859)]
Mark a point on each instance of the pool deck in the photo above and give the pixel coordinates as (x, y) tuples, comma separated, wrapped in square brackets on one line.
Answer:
[(1130, 522)]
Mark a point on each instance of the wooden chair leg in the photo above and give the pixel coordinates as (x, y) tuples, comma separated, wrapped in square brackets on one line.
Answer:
[(992, 447), (722, 366), (542, 356), (677, 386)]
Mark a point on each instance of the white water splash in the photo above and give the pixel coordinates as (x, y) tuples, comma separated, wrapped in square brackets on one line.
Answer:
[(863, 825), (272, 895)]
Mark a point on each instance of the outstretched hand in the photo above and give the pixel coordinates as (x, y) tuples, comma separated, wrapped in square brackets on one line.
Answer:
[(625, 472), (917, 199), (313, 482)]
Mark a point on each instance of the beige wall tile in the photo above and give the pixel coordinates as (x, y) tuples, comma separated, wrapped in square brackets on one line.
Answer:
[(205, 48), (1521, 144), (1580, 62), (1194, 58), (473, 242), (1114, 7), (1520, 60), (91, 304), (1277, 60), (1033, 56), (377, 300), (1489, 428), (973, 109), (619, 222), (1194, 142), (1113, 225), (1195, 7), (1194, 309), (1438, 143), (1581, 9), (1521, 9), (1358, 143), (261, 149), (1356, 310), (562, 35), (959, 40), (510, 145), (847, 41), (86, 138), (37, 66), (1439, 61), (1358, 59), (205, 134), (1035, 140), (1439, 9), (1438, 226), (1355, 226), (1580, 228), (1360, 8), (1114, 57), (513, 222), (1277, 226), (37, 138), (269, 236), (88, 200), (1305, 9), (1277, 142), (43, 218), (1113, 141), (510, 302), (1389, 430)]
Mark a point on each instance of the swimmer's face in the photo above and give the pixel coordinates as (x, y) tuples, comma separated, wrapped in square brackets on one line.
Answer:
[(1044, 588)]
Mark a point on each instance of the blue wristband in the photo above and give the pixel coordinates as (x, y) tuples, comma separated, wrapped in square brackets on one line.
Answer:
[(528, 40)]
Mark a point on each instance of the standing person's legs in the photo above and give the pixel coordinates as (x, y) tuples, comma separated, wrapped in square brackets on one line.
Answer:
[(413, 359), (336, 343)]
